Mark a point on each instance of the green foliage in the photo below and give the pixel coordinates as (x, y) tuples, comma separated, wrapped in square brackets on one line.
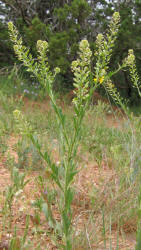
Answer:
[(59, 55), (63, 42), (5, 51), (35, 31)]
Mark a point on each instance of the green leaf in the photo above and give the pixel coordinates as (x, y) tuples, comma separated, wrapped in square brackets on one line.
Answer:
[(66, 222), (69, 198), (47, 158), (55, 175), (70, 177)]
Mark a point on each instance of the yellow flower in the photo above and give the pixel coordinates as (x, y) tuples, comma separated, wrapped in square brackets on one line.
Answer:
[(101, 79)]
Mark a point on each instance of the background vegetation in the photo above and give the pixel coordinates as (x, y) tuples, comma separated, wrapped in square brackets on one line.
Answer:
[(63, 23)]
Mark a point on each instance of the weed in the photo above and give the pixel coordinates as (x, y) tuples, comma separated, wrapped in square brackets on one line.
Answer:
[(85, 83)]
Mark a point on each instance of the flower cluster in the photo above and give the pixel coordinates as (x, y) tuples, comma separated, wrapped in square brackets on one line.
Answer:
[(104, 46), (114, 24), (101, 78), (42, 47), (21, 51), (112, 90), (131, 58), (40, 68), (131, 63), (81, 69)]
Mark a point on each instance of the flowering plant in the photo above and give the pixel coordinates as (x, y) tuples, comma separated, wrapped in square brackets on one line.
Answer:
[(63, 175)]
